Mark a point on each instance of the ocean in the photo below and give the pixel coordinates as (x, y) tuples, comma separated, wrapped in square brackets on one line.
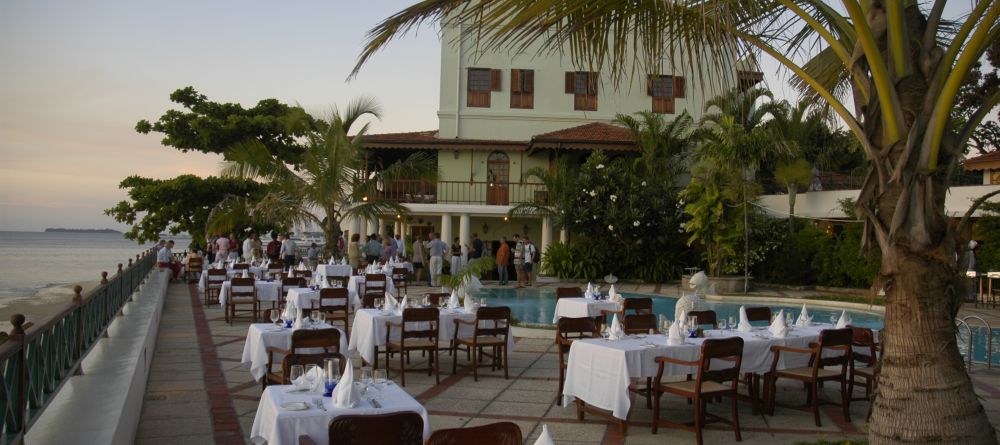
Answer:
[(32, 261)]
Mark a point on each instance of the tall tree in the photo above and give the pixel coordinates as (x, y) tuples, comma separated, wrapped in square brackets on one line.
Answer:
[(332, 181), (663, 145), (902, 70)]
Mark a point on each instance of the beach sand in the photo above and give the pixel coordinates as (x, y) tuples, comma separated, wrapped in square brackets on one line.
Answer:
[(46, 302)]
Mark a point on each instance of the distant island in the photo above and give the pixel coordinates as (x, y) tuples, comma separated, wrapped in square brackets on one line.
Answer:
[(61, 230)]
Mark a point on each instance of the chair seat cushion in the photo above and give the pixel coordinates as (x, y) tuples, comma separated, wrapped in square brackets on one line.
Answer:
[(806, 373), (688, 386), (864, 372)]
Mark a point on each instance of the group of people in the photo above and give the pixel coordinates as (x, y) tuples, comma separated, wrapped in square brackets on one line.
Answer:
[(432, 252), (525, 256), (373, 249)]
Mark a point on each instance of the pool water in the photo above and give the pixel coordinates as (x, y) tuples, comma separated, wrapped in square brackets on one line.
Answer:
[(537, 306)]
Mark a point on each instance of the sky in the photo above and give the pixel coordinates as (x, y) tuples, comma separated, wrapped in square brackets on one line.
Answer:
[(75, 77)]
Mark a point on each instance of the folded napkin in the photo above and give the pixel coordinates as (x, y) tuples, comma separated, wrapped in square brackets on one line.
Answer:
[(804, 320), (453, 301), (299, 320), (744, 325), (302, 266), (674, 336), (390, 302), (289, 313), (844, 320), (323, 284), (612, 293), (330, 262), (778, 328), (343, 260), (589, 293), (345, 395), (402, 306), (545, 438), (387, 268), (245, 274), (682, 319), (303, 380), (615, 331), (470, 306)]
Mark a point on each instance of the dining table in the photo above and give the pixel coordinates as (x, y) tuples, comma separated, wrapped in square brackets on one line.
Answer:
[(369, 329), (304, 298), (354, 287), (266, 291), (254, 271), (283, 414), (261, 336), (582, 307), (333, 270)]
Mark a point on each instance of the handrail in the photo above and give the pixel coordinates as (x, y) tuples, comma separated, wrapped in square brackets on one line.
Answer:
[(35, 362), (968, 343), (989, 339)]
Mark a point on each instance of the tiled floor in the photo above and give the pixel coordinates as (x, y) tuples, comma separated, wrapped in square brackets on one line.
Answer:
[(214, 399)]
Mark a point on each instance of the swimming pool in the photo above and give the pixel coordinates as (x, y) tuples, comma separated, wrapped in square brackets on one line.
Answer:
[(537, 306)]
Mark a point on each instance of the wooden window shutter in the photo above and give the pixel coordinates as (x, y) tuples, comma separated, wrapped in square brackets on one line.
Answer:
[(515, 81), (591, 83), (570, 82), (529, 81), (649, 85), (495, 78), (679, 86)]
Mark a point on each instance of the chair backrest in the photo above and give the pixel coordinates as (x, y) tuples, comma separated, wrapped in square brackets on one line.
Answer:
[(399, 274), (638, 323), (641, 305), (760, 313), (333, 299), (838, 340), (402, 428), (863, 346), (309, 359), (368, 300), (568, 292), (375, 283), (291, 283), (428, 319), (329, 339), (705, 317), (216, 277), (242, 287), (498, 321), (241, 266), (501, 433), (275, 266), (436, 297), (302, 273), (573, 328), (726, 349), (195, 264), (338, 281)]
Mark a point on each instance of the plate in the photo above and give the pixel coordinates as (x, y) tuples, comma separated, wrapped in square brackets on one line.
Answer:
[(295, 406)]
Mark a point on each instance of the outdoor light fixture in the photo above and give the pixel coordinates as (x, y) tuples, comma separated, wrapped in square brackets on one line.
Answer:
[(506, 219), (398, 216), (364, 198)]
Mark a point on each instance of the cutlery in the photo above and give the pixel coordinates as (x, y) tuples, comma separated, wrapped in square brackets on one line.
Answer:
[(319, 403), (375, 403)]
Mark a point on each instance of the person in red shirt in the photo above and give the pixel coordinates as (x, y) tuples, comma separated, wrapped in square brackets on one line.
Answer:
[(503, 259)]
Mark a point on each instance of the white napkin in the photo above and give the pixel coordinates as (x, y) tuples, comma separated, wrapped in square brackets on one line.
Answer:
[(615, 332), (323, 284), (844, 320), (589, 293), (744, 325), (245, 274), (545, 438), (316, 374), (345, 395), (390, 302), (682, 320), (387, 268), (299, 320), (612, 293), (343, 260), (674, 336), (302, 266), (470, 306), (804, 320), (289, 312), (330, 262), (778, 328), (453, 301), (402, 306)]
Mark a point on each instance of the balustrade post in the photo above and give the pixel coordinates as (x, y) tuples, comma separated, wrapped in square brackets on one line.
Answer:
[(81, 320), (17, 335), (104, 278)]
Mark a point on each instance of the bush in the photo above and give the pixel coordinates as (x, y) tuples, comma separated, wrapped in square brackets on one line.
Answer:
[(785, 264), (843, 265), (580, 260)]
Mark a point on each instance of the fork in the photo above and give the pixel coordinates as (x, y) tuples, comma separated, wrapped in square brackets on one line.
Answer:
[(319, 403)]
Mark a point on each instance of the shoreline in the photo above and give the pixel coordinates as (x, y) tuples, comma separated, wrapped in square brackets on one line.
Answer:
[(45, 302)]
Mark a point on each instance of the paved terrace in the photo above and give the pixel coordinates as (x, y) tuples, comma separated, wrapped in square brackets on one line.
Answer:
[(198, 393)]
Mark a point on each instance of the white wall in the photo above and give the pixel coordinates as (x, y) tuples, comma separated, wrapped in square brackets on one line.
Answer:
[(824, 204)]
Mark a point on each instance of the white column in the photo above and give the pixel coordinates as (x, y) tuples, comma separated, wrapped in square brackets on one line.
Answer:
[(464, 232), (372, 227), (446, 228), (355, 226), (563, 236), (382, 230), (397, 227), (546, 239)]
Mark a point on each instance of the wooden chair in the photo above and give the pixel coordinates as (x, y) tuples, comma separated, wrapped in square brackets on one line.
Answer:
[(309, 359), (569, 329), (569, 292), (864, 356), (403, 428), (241, 266), (640, 324), (335, 303), (213, 285), (635, 305), (705, 317), (489, 330), (425, 340), (375, 284), (500, 433), (761, 313), (399, 279), (242, 292), (436, 297), (307, 274), (338, 281), (193, 270), (368, 301), (327, 339), (275, 268), (833, 349), (709, 383), (287, 284)]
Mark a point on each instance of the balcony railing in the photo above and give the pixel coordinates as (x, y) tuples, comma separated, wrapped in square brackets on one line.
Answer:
[(36, 361), (463, 192)]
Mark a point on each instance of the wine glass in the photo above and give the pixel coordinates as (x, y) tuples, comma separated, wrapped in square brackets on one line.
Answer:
[(275, 316), (482, 302), (295, 375), (381, 376), (322, 318), (722, 324), (732, 322), (665, 325), (332, 372), (833, 319), (314, 317), (366, 377), (789, 319), (605, 332), (311, 373)]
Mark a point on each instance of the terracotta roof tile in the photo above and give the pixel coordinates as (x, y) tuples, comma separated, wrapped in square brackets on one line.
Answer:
[(429, 140), (988, 157), (596, 132)]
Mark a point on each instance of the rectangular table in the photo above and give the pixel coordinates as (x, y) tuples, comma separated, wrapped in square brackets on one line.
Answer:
[(599, 371), (355, 282), (333, 270), (304, 298), (277, 426), (266, 291), (582, 307), (261, 336), (368, 330), (256, 272)]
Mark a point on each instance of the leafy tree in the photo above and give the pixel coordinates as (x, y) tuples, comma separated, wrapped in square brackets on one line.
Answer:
[(181, 204), (663, 144), (794, 176), (902, 69), (213, 127), (715, 217), (974, 95), (332, 181)]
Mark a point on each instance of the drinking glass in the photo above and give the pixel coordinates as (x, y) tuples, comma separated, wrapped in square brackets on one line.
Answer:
[(789, 319), (311, 372), (482, 302), (722, 324), (295, 375), (732, 322), (605, 332), (275, 316), (665, 326), (381, 376), (314, 317), (833, 319), (693, 322), (366, 374), (322, 318)]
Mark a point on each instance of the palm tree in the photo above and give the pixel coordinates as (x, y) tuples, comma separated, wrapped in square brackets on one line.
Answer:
[(901, 67), (662, 144), (332, 182), (558, 182), (793, 175)]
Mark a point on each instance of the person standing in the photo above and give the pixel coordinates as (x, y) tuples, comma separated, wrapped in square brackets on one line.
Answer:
[(288, 248), (456, 257), (388, 251), (519, 259), (222, 249), (529, 260), (435, 249), (274, 247), (313, 255), (165, 259), (258, 252), (972, 271), (418, 259), (477, 248), (373, 249), (503, 259), (248, 248), (400, 246), (354, 251), (234, 247)]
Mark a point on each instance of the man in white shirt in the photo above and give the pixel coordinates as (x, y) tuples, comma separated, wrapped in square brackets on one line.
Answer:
[(400, 246), (248, 248), (165, 259), (529, 260), (288, 251), (436, 249)]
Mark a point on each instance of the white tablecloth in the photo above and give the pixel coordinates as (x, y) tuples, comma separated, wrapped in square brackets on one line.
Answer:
[(582, 307), (261, 336), (266, 291), (303, 298), (354, 286), (230, 273), (368, 330), (278, 426), (599, 371), (333, 270), (405, 265)]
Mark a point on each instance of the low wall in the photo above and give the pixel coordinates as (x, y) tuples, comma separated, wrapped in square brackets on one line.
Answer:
[(103, 405)]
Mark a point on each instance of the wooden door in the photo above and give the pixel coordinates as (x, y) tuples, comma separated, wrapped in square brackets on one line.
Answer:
[(498, 178)]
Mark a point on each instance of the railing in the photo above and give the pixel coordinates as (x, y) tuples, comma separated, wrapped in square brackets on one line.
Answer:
[(463, 192), (844, 181), (970, 342), (37, 360)]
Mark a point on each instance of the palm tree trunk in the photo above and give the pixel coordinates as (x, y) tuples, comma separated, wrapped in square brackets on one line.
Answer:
[(331, 232), (922, 379), (793, 190)]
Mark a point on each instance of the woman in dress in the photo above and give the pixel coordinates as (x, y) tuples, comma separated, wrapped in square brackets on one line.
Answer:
[(354, 250)]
